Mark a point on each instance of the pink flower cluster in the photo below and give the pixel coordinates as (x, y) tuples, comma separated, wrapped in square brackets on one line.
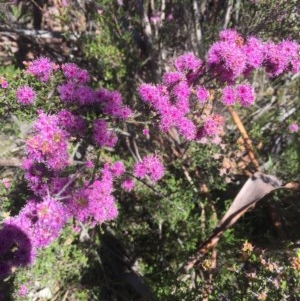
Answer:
[(102, 135), (41, 68), (232, 56), (59, 195), (229, 60), (243, 93), (172, 106), (41, 221), (75, 74), (111, 103), (202, 94), (76, 91), (172, 100), (15, 248), (3, 82), (294, 127), (95, 203), (128, 184), (150, 166), (25, 95), (48, 144), (72, 123), (211, 129)]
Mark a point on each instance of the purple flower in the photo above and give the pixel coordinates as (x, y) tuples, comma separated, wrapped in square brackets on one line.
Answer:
[(75, 125), (89, 164), (25, 95), (202, 94), (128, 184), (187, 128), (146, 131), (23, 290), (102, 135), (226, 60), (84, 95), (152, 95), (170, 78), (41, 68), (293, 128), (111, 102), (276, 58), (151, 166), (41, 221), (15, 248), (245, 95), (187, 62), (117, 169), (73, 73), (181, 93), (228, 95), (212, 128), (67, 92), (254, 51), (3, 82), (94, 203), (5, 270), (229, 35), (48, 145)]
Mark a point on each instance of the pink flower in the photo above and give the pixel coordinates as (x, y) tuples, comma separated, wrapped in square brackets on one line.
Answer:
[(42, 221), (229, 35), (67, 92), (128, 184), (226, 60), (170, 78), (89, 164), (6, 183), (117, 169), (294, 128), (75, 74), (75, 125), (245, 95), (211, 129), (3, 82), (187, 128), (23, 290), (94, 203), (102, 135), (170, 17), (25, 95), (151, 166), (41, 68), (146, 132), (187, 62), (112, 103), (228, 96), (254, 51), (48, 145), (202, 94)]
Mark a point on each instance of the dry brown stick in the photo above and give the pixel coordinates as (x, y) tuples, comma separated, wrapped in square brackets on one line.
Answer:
[(248, 143), (275, 217), (10, 162)]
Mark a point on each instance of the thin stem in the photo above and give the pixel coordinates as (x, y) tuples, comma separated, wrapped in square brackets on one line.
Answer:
[(248, 143)]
